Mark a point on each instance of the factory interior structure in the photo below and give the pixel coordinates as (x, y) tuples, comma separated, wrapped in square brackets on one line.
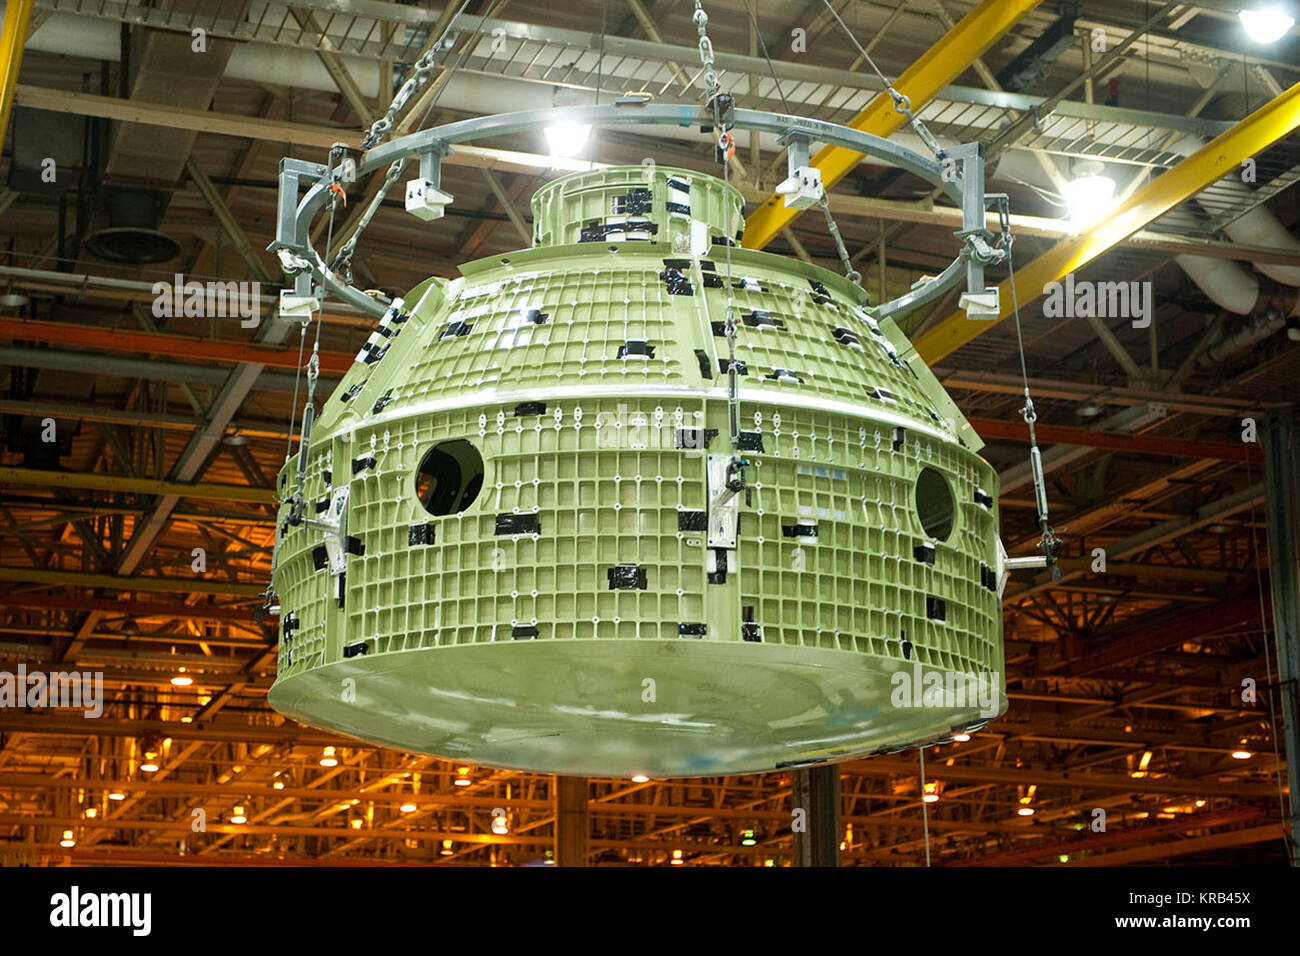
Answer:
[(1146, 149)]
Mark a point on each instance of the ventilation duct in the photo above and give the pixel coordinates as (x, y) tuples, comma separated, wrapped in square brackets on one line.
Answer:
[(1267, 323), (132, 236), (1258, 227), (1227, 284)]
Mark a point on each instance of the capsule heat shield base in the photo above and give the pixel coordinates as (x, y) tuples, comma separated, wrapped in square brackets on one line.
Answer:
[(586, 708)]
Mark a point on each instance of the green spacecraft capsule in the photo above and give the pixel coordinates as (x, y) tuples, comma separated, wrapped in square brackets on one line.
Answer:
[(539, 528)]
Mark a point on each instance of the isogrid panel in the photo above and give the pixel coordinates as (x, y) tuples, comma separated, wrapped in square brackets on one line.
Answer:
[(858, 583)]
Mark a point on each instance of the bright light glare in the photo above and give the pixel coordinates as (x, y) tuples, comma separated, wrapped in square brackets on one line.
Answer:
[(1089, 197), (566, 139), (1265, 26)]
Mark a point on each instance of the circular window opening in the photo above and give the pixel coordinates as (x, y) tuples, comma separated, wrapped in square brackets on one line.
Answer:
[(934, 504), (449, 477)]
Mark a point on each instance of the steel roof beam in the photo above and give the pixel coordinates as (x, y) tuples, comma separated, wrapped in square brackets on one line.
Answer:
[(921, 82), (1221, 157)]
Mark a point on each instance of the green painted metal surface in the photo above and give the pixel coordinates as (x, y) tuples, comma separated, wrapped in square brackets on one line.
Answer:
[(565, 612)]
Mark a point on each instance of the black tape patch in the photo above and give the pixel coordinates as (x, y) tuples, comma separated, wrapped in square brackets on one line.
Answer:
[(361, 463), (679, 184), (635, 348), (706, 367), (692, 629), (322, 506), (351, 393), (751, 441), (799, 530), (593, 230), (884, 394), (988, 578), (936, 609), (720, 562), (634, 202), (924, 552), (383, 400), (749, 630), (761, 319), (784, 375), (984, 499), (845, 336), (523, 632), (822, 295), (676, 282), (692, 520), (459, 327), (371, 353), (519, 524), (626, 577), (419, 534), (678, 207), (713, 281), (530, 408), (695, 438), (900, 436), (354, 546), (288, 624), (320, 558), (741, 367), (360, 648), (536, 316)]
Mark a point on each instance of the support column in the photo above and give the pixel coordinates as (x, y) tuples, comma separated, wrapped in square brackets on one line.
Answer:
[(570, 821), (816, 791), (1282, 488)]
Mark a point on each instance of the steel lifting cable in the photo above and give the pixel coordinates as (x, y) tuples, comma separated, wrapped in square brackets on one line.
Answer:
[(382, 127), (850, 273), (1048, 539), (726, 144), (901, 103)]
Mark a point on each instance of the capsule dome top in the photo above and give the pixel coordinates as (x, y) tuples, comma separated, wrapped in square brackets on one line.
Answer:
[(638, 203)]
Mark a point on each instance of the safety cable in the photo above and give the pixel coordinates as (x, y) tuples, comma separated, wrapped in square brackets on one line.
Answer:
[(925, 812), (770, 67), (1268, 668)]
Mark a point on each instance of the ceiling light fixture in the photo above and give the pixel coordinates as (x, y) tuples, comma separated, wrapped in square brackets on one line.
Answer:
[(1266, 25), (1089, 195), (566, 140)]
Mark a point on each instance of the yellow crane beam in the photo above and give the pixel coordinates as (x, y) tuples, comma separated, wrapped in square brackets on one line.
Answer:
[(1222, 156), (18, 14), (937, 67)]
